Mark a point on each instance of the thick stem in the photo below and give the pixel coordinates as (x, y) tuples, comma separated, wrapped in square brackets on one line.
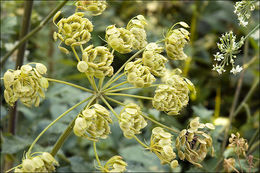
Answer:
[(70, 84), (129, 95), (66, 133), (53, 122), (35, 30)]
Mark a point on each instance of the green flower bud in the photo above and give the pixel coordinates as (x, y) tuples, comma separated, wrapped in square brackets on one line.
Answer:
[(175, 41), (139, 75), (96, 62), (120, 39), (131, 120), (95, 7)]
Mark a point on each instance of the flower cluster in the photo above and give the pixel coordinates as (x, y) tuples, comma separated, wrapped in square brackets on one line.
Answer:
[(26, 84), (192, 144), (114, 164), (73, 31), (153, 59), (175, 41), (120, 39), (93, 123), (96, 62), (229, 165), (136, 27), (243, 10), (138, 74), (95, 7), (240, 145), (131, 120), (228, 49), (41, 163), (161, 145), (133, 36)]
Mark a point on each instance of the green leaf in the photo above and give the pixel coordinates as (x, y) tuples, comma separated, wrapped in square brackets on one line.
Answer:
[(14, 144), (202, 112)]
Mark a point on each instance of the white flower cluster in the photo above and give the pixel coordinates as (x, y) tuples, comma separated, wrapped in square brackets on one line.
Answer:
[(243, 10), (228, 49)]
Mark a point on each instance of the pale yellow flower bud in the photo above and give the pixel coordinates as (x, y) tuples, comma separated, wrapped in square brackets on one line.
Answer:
[(95, 7), (41, 68), (115, 164), (82, 66)]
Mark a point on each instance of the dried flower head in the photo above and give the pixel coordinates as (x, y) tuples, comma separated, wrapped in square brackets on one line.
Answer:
[(26, 84), (73, 31), (161, 145), (93, 123), (95, 7), (240, 145), (229, 165), (138, 74), (153, 59), (228, 49), (40, 163), (96, 62), (114, 164), (243, 10), (136, 27), (131, 120), (175, 41), (192, 144), (120, 39)]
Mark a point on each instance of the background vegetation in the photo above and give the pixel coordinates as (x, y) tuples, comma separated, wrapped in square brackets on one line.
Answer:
[(215, 94)]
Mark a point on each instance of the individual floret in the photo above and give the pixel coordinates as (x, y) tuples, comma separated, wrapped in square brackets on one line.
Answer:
[(114, 164)]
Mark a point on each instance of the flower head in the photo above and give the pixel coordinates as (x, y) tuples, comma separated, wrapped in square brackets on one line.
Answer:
[(73, 31), (228, 49), (93, 123), (131, 120), (120, 39), (243, 10), (26, 84), (40, 163), (138, 74), (175, 41), (96, 62), (192, 144), (95, 7), (115, 164), (239, 144)]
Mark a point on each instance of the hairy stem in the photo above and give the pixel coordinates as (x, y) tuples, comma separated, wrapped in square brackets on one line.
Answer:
[(129, 95), (160, 124), (70, 84), (35, 30), (53, 122)]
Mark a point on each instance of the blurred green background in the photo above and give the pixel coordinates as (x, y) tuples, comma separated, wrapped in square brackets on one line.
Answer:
[(208, 20)]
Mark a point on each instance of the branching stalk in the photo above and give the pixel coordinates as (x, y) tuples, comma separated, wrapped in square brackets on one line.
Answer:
[(129, 95)]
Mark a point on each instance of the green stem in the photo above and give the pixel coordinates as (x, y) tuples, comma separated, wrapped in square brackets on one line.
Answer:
[(122, 83), (53, 122), (75, 53), (100, 83), (140, 142), (128, 88), (254, 147), (162, 125), (108, 105), (90, 81), (121, 68), (94, 83), (70, 84), (113, 100), (96, 155), (253, 137), (252, 31), (129, 95), (108, 84), (35, 30)]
